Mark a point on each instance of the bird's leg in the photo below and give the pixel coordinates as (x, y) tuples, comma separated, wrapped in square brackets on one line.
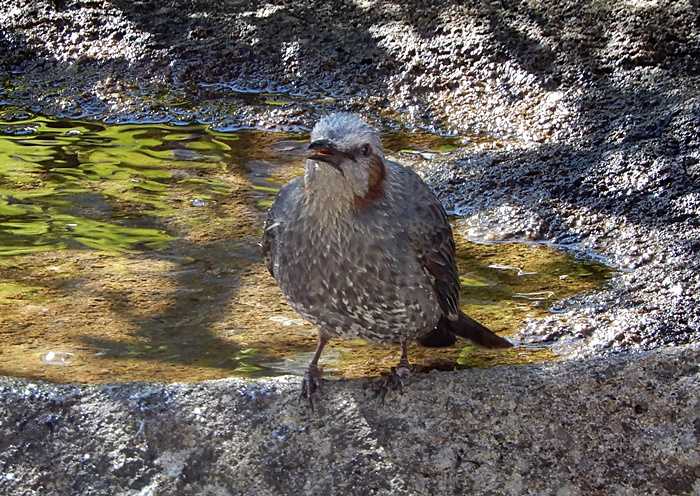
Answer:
[(395, 380), (312, 378), (404, 368)]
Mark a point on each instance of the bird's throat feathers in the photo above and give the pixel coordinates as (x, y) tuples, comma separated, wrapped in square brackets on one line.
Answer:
[(329, 190)]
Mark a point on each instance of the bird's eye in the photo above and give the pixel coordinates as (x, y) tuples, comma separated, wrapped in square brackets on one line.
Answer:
[(366, 150)]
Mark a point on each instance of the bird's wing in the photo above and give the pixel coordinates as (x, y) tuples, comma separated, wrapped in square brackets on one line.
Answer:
[(431, 238), (275, 221)]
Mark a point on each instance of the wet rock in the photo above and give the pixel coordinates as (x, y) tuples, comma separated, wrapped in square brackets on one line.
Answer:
[(598, 104)]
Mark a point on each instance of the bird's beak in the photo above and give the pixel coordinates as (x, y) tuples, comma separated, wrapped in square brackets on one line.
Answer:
[(325, 151)]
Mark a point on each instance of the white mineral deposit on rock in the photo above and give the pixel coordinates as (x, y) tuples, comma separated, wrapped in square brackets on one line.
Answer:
[(57, 358)]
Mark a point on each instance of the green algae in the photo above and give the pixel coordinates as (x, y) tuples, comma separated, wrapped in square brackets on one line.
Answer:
[(134, 248), (12, 291)]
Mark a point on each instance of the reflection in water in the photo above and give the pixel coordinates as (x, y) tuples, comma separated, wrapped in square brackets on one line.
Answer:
[(129, 252)]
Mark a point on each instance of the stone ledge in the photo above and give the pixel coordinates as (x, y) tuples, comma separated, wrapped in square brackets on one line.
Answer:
[(628, 424)]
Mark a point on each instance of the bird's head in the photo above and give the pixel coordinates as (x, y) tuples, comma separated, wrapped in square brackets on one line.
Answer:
[(345, 154)]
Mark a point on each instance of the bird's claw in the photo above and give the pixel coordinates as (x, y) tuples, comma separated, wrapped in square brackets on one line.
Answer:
[(310, 385), (394, 381)]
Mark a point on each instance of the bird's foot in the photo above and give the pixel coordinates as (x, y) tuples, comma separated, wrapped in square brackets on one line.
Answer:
[(311, 384), (394, 381)]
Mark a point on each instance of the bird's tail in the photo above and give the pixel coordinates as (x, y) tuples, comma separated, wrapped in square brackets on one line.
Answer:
[(470, 329), (464, 327)]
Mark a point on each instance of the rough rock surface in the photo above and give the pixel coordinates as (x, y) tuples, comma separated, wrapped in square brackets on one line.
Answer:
[(626, 425), (599, 102)]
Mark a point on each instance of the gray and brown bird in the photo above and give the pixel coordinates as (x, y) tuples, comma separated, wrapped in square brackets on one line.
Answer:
[(361, 247)]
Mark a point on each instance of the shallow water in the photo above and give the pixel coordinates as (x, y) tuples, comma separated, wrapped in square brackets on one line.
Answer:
[(129, 252)]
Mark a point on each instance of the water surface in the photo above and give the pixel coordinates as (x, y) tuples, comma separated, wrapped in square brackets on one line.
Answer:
[(130, 252)]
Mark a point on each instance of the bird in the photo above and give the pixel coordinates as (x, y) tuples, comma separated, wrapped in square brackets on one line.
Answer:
[(362, 248)]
